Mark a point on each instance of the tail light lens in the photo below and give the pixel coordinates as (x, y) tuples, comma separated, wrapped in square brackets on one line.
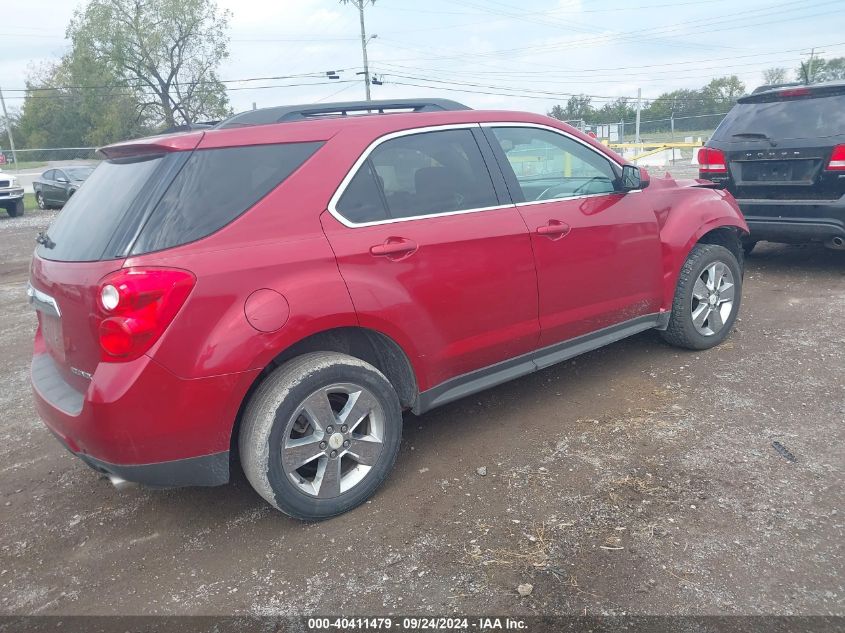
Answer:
[(135, 307), (837, 159), (712, 161)]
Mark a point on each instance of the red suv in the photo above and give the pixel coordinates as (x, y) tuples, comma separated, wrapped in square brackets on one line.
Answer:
[(284, 285)]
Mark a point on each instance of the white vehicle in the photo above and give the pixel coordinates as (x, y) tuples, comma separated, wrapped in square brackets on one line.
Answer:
[(11, 195)]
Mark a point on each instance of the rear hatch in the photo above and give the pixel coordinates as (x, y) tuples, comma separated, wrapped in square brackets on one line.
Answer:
[(778, 144), (90, 238)]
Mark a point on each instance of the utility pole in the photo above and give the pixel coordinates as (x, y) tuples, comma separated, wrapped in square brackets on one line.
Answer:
[(639, 108), (360, 5), (810, 75), (9, 129), (810, 66)]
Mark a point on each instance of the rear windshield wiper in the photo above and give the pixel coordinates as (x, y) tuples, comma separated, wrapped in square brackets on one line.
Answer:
[(45, 240), (759, 135)]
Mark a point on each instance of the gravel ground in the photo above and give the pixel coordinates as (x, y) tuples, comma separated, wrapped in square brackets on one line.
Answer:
[(635, 479)]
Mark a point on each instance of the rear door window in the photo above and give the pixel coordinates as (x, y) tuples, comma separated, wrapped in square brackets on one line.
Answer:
[(417, 175)]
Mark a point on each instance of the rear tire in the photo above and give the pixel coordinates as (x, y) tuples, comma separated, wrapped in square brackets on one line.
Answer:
[(292, 457), (707, 298)]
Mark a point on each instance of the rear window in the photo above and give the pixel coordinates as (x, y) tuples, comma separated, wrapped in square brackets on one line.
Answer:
[(155, 202), (798, 118), (95, 214)]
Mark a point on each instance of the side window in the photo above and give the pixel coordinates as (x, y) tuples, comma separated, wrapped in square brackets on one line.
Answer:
[(49, 175), (548, 166), (362, 200), (420, 174), (216, 186)]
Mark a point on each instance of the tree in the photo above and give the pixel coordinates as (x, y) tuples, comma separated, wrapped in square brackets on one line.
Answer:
[(823, 70), (577, 107), (75, 103), (724, 91), (774, 76), (164, 52)]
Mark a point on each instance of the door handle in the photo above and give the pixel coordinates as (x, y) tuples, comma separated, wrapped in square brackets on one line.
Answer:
[(394, 248), (555, 229)]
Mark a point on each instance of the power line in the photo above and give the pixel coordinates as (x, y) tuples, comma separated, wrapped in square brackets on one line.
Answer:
[(721, 24)]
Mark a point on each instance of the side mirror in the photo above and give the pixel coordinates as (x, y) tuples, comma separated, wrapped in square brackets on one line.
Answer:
[(633, 178), (62, 180)]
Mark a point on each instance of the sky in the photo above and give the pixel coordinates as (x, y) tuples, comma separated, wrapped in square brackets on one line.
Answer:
[(495, 54)]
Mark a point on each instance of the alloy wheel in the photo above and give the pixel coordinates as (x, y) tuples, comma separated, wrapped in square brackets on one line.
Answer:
[(712, 298), (333, 440)]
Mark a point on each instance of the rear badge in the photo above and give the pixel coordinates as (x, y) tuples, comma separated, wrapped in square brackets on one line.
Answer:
[(79, 372)]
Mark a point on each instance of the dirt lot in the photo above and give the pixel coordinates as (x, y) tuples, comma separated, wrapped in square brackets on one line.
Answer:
[(636, 479)]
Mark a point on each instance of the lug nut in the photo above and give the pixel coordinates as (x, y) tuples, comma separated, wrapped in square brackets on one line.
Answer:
[(344, 428), (329, 429), (323, 445), (333, 454), (346, 444)]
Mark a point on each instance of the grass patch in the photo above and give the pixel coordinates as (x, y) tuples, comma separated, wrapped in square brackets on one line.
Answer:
[(29, 203)]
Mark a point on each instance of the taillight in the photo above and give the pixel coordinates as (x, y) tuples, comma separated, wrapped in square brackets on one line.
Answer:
[(712, 161), (135, 306), (837, 159)]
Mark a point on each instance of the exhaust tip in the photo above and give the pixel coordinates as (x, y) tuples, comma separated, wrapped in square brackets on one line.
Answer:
[(118, 483), (836, 243)]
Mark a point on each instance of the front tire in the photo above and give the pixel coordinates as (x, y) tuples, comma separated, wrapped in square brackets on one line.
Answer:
[(39, 199), (320, 435), (15, 210), (707, 298)]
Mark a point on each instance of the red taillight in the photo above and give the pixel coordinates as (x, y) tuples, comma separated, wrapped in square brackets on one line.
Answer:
[(135, 307), (837, 159), (712, 161)]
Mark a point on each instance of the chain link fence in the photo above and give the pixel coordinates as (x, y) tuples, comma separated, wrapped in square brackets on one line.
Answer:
[(666, 130), (45, 158)]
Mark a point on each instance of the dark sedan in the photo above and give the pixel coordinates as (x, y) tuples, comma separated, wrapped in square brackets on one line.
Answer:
[(56, 186)]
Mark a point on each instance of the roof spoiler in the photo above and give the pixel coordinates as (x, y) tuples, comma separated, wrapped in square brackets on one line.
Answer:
[(282, 114), (161, 144), (789, 91)]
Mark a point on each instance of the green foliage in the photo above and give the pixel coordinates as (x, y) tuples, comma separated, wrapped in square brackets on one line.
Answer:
[(166, 51), (823, 70), (716, 97), (775, 76), (577, 107), (59, 112), (135, 67)]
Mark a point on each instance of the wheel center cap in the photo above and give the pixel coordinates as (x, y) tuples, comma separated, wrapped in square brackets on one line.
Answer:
[(713, 299), (336, 440)]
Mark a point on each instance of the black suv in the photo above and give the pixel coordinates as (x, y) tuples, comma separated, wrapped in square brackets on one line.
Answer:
[(781, 153)]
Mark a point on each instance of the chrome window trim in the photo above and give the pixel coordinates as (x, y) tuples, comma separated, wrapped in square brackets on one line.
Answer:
[(332, 206)]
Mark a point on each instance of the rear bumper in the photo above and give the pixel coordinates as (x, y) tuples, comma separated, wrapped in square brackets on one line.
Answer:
[(794, 220), (206, 470), (140, 422)]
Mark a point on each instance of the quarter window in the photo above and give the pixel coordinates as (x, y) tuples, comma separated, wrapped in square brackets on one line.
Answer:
[(549, 166), (417, 175)]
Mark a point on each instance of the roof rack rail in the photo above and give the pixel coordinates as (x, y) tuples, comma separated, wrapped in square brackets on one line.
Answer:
[(281, 114)]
